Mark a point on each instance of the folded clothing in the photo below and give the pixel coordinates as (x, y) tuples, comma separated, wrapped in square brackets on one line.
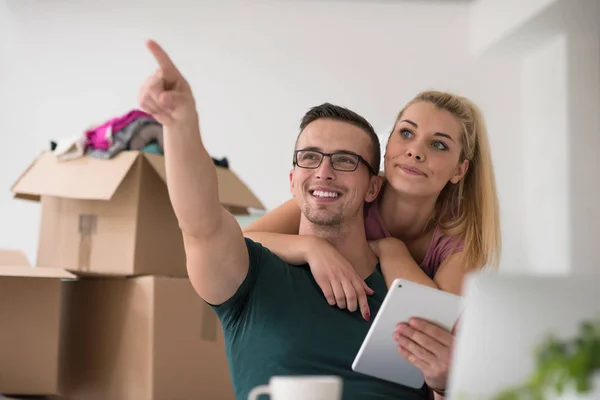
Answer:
[(102, 136), (122, 140)]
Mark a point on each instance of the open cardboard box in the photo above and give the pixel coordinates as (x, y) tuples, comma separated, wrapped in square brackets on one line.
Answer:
[(114, 217), (31, 304)]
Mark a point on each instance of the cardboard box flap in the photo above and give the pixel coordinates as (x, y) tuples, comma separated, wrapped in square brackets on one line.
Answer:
[(15, 263), (158, 164), (232, 191), (21, 271), (85, 178), (13, 258)]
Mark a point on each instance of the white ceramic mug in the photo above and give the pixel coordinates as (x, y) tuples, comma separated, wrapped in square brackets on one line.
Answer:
[(300, 388)]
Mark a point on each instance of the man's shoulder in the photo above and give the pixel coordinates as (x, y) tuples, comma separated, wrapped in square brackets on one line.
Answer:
[(265, 271), (260, 254), (265, 267)]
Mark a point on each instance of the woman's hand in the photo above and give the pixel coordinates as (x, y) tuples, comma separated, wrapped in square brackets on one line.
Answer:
[(337, 278), (427, 347)]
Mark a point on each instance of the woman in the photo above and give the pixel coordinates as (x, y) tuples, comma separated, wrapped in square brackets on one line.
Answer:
[(435, 219)]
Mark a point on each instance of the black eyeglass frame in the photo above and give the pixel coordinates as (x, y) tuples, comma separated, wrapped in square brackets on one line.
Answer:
[(323, 155)]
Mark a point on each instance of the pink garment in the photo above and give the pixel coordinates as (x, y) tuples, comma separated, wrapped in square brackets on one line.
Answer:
[(101, 136), (441, 246)]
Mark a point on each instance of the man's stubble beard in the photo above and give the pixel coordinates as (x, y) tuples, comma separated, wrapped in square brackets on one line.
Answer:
[(323, 218)]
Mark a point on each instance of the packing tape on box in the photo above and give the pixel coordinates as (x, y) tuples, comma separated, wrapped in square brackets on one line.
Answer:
[(87, 228)]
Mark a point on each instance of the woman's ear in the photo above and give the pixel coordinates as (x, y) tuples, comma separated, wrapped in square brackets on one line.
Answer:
[(374, 187), (460, 172)]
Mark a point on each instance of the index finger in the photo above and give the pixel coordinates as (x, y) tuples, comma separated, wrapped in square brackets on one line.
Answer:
[(162, 58), (363, 304)]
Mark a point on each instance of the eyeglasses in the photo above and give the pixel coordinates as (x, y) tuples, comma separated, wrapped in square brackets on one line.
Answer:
[(340, 161)]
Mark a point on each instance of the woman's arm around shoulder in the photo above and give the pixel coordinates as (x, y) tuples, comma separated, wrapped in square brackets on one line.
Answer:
[(452, 272), (278, 229), (341, 285), (283, 219)]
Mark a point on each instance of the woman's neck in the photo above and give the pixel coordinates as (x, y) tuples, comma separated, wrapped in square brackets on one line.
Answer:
[(406, 218)]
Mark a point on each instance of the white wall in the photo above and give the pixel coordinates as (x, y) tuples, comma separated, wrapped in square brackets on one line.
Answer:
[(255, 69), (558, 45), (546, 157), (492, 20), (583, 55)]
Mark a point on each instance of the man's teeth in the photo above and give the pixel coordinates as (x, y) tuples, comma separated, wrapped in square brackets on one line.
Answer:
[(320, 193)]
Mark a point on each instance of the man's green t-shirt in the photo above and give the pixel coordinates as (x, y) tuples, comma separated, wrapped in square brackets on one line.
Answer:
[(279, 323)]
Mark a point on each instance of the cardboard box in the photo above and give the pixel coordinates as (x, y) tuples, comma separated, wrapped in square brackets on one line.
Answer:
[(30, 326), (142, 338), (114, 217)]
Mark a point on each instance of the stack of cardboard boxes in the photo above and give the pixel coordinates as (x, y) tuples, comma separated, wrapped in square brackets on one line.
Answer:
[(108, 311)]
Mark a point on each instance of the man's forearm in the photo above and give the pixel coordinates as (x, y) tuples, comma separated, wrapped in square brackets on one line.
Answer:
[(290, 248), (192, 181), (217, 257)]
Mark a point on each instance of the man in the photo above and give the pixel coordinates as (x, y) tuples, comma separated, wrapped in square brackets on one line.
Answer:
[(274, 316)]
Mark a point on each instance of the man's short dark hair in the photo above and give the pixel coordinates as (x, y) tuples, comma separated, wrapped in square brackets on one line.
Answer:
[(331, 111)]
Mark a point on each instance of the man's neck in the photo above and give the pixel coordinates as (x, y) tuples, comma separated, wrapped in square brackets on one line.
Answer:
[(350, 240), (407, 218)]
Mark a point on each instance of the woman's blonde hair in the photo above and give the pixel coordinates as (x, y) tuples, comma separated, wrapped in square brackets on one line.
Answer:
[(469, 209)]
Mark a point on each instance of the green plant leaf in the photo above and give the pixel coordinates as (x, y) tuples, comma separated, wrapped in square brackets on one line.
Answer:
[(561, 365)]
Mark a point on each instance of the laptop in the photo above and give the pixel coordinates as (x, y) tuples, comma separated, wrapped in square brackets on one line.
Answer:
[(505, 318)]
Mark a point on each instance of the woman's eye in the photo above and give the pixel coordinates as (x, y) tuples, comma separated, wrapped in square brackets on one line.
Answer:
[(405, 133), (439, 145)]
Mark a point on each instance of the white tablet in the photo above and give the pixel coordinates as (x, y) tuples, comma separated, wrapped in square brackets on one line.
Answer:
[(378, 356)]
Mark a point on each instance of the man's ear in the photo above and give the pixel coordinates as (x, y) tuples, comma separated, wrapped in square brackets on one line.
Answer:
[(292, 182), (460, 172), (374, 187)]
